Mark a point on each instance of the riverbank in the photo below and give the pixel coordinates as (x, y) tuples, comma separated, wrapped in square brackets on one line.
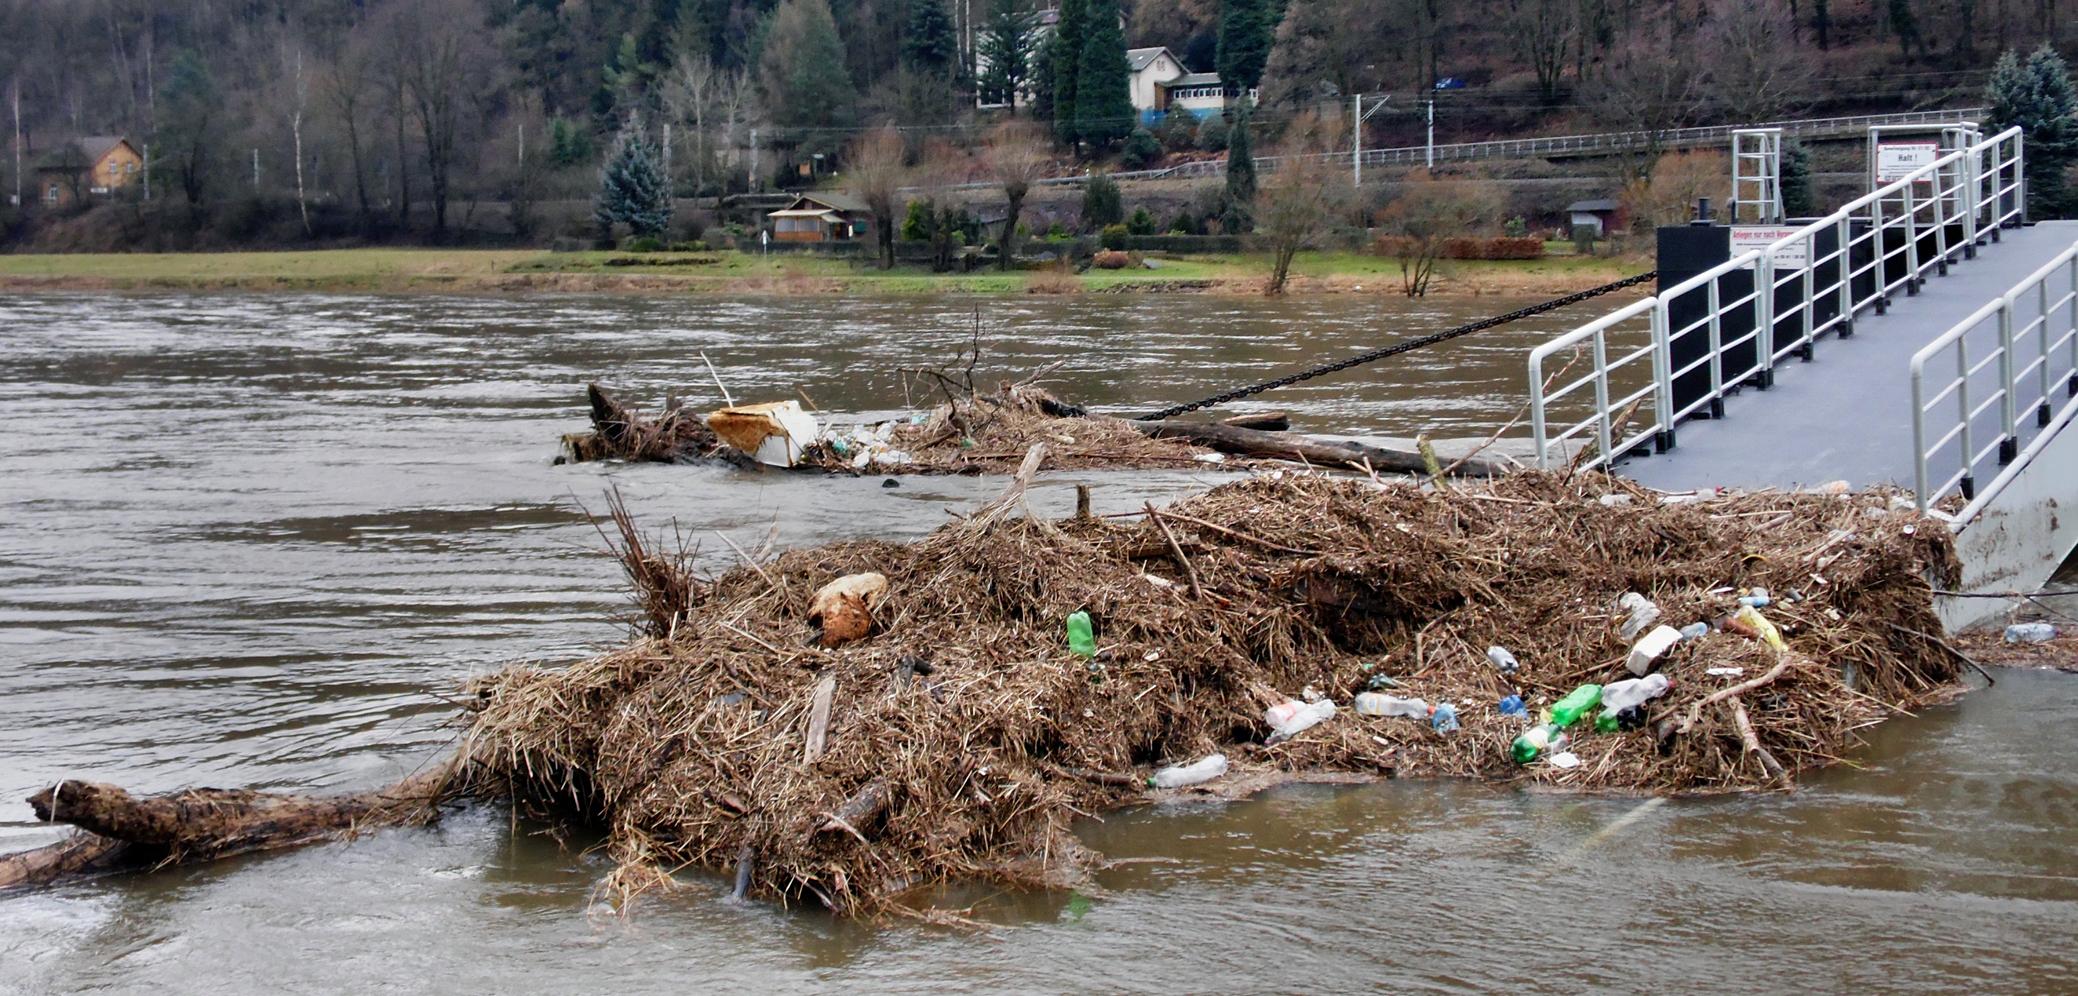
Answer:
[(489, 271)]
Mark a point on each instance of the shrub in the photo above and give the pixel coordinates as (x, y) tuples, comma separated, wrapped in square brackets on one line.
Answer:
[(916, 221), (1141, 223), (1111, 259), (642, 243), (1502, 247), (1114, 236), (1141, 149), (1100, 203), (1055, 233), (1212, 133), (1515, 227)]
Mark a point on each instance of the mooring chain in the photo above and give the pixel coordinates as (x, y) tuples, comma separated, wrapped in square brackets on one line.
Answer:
[(1400, 347)]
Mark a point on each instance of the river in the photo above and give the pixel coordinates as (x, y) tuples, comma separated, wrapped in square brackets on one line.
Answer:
[(254, 540)]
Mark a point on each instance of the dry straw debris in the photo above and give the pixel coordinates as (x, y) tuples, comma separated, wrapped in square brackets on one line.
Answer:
[(962, 738)]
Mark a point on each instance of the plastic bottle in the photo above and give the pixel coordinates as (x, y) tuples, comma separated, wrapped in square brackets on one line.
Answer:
[(1443, 717), (1539, 739), (1620, 695), (1695, 630), (2035, 632), (1204, 769), (1381, 681), (1306, 718), (1577, 703), (1502, 659), (1762, 628), (1756, 598), (1379, 704), (1650, 647), (1512, 706), (1642, 611), (1081, 638)]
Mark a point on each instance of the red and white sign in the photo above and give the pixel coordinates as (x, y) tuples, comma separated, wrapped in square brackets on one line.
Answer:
[(1898, 160), (1794, 256)]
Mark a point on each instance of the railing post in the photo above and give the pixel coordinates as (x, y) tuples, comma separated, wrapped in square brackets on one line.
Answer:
[(1602, 415), (1918, 439), (1764, 319), (1537, 410), (2071, 388), (1716, 353), (1663, 378), (1845, 277), (2042, 350), (2009, 440), (1911, 242), (1880, 260), (1962, 401), (1810, 293), (1974, 166)]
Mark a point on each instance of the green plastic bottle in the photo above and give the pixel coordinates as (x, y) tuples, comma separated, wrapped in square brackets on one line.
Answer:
[(1534, 741), (1577, 703), (1081, 638), (1606, 723)]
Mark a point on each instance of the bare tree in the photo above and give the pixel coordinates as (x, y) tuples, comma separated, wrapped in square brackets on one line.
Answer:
[(1667, 195), (1426, 212), (1542, 29), (297, 82), (1650, 87), (876, 174), (1300, 199), (346, 85), (1756, 71), (1017, 158), (431, 55)]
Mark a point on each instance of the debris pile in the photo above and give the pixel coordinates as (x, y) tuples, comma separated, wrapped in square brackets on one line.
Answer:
[(951, 730)]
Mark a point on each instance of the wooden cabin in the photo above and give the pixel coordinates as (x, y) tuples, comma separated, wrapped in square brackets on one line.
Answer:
[(98, 165), (821, 217)]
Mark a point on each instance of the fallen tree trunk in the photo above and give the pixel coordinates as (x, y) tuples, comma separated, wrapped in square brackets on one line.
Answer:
[(120, 831), (1305, 449)]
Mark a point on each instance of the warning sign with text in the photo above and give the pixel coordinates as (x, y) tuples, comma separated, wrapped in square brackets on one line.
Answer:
[(1795, 255), (1898, 160)]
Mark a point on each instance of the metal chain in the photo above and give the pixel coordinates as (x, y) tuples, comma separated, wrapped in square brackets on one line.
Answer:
[(1400, 347)]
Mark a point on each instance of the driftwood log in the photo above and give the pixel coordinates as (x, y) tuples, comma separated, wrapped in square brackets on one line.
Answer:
[(118, 831), (1306, 449)]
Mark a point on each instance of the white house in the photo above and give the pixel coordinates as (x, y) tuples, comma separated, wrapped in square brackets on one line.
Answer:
[(1158, 81)]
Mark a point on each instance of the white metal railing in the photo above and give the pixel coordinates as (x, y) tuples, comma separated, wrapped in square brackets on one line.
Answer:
[(2008, 371), (1828, 271), (1605, 383)]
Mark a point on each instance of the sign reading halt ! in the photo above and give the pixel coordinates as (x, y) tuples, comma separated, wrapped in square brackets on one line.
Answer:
[(1898, 160)]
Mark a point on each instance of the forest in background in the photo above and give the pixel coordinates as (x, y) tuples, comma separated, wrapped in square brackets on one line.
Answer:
[(428, 119)]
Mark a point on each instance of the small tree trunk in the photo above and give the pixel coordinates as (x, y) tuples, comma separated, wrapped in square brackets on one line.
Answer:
[(1008, 248)]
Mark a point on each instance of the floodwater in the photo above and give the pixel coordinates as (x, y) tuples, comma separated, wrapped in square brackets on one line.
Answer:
[(254, 541)]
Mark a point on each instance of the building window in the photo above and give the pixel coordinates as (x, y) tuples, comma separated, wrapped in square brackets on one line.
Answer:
[(50, 196)]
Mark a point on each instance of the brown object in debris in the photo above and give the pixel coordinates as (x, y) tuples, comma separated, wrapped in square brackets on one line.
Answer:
[(1337, 453), (843, 609), (619, 432)]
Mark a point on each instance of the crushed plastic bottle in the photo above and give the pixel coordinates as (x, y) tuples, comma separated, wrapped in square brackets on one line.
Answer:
[(1649, 649), (1381, 681), (1577, 703), (1379, 704), (1503, 660), (1695, 630), (1620, 695), (1512, 706), (2035, 632), (1443, 717), (1752, 619), (1305, 718), (1643, 612), (1756, 598), (1082, 638), (1204, 769)]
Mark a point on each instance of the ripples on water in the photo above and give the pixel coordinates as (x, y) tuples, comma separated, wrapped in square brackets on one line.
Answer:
[(252, 540)]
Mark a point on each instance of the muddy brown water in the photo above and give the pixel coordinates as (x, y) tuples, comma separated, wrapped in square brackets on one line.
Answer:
[(254, 540)]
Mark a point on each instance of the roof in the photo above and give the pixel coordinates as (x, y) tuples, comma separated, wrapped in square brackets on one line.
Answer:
[(825, 215), (1194, 79), (91, 147), (832, 200), (1594, 205), (1139, 58)]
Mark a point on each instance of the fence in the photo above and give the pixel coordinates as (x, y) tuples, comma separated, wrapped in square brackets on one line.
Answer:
[(1763, 305), (1995, 372)]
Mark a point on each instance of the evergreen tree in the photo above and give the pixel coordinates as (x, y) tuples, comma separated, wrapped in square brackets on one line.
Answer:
[(632, 190), (1101, 204), (1237, 209), (1005, 52), (1103, 87), (1245, 28), (1066, 55), (2037, 95), (802, 69), (190, 125), (1798, 200), (1906, 23), (929, 46)]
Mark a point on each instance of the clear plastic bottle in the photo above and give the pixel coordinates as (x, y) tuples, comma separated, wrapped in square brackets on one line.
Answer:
[(1502, 659), (2035, 632), (1204, 769), (1380, 704), (1443, 717), (1620, 695), (1305, 718), (1643, 612)]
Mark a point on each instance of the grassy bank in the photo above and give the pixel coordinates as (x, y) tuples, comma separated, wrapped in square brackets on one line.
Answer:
[(510, 270)]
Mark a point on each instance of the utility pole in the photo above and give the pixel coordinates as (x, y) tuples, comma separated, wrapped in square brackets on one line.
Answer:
[(669, 181), (1356, 138), (750, 180), (18, 142), (1429, 156), (256, 169), (147, 172)]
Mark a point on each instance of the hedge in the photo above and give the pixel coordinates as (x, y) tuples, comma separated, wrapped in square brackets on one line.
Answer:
[(1497, 247)]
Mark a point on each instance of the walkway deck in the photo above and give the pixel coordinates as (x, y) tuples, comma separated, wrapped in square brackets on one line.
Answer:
[(1847, 415)]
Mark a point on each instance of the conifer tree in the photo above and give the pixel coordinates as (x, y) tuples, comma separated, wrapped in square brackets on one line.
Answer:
[(1237, 209), (1103, 88), (929, 46), (2037, 95), (1245, 28), (1005, 52), (632, 189), (1066, 55)]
